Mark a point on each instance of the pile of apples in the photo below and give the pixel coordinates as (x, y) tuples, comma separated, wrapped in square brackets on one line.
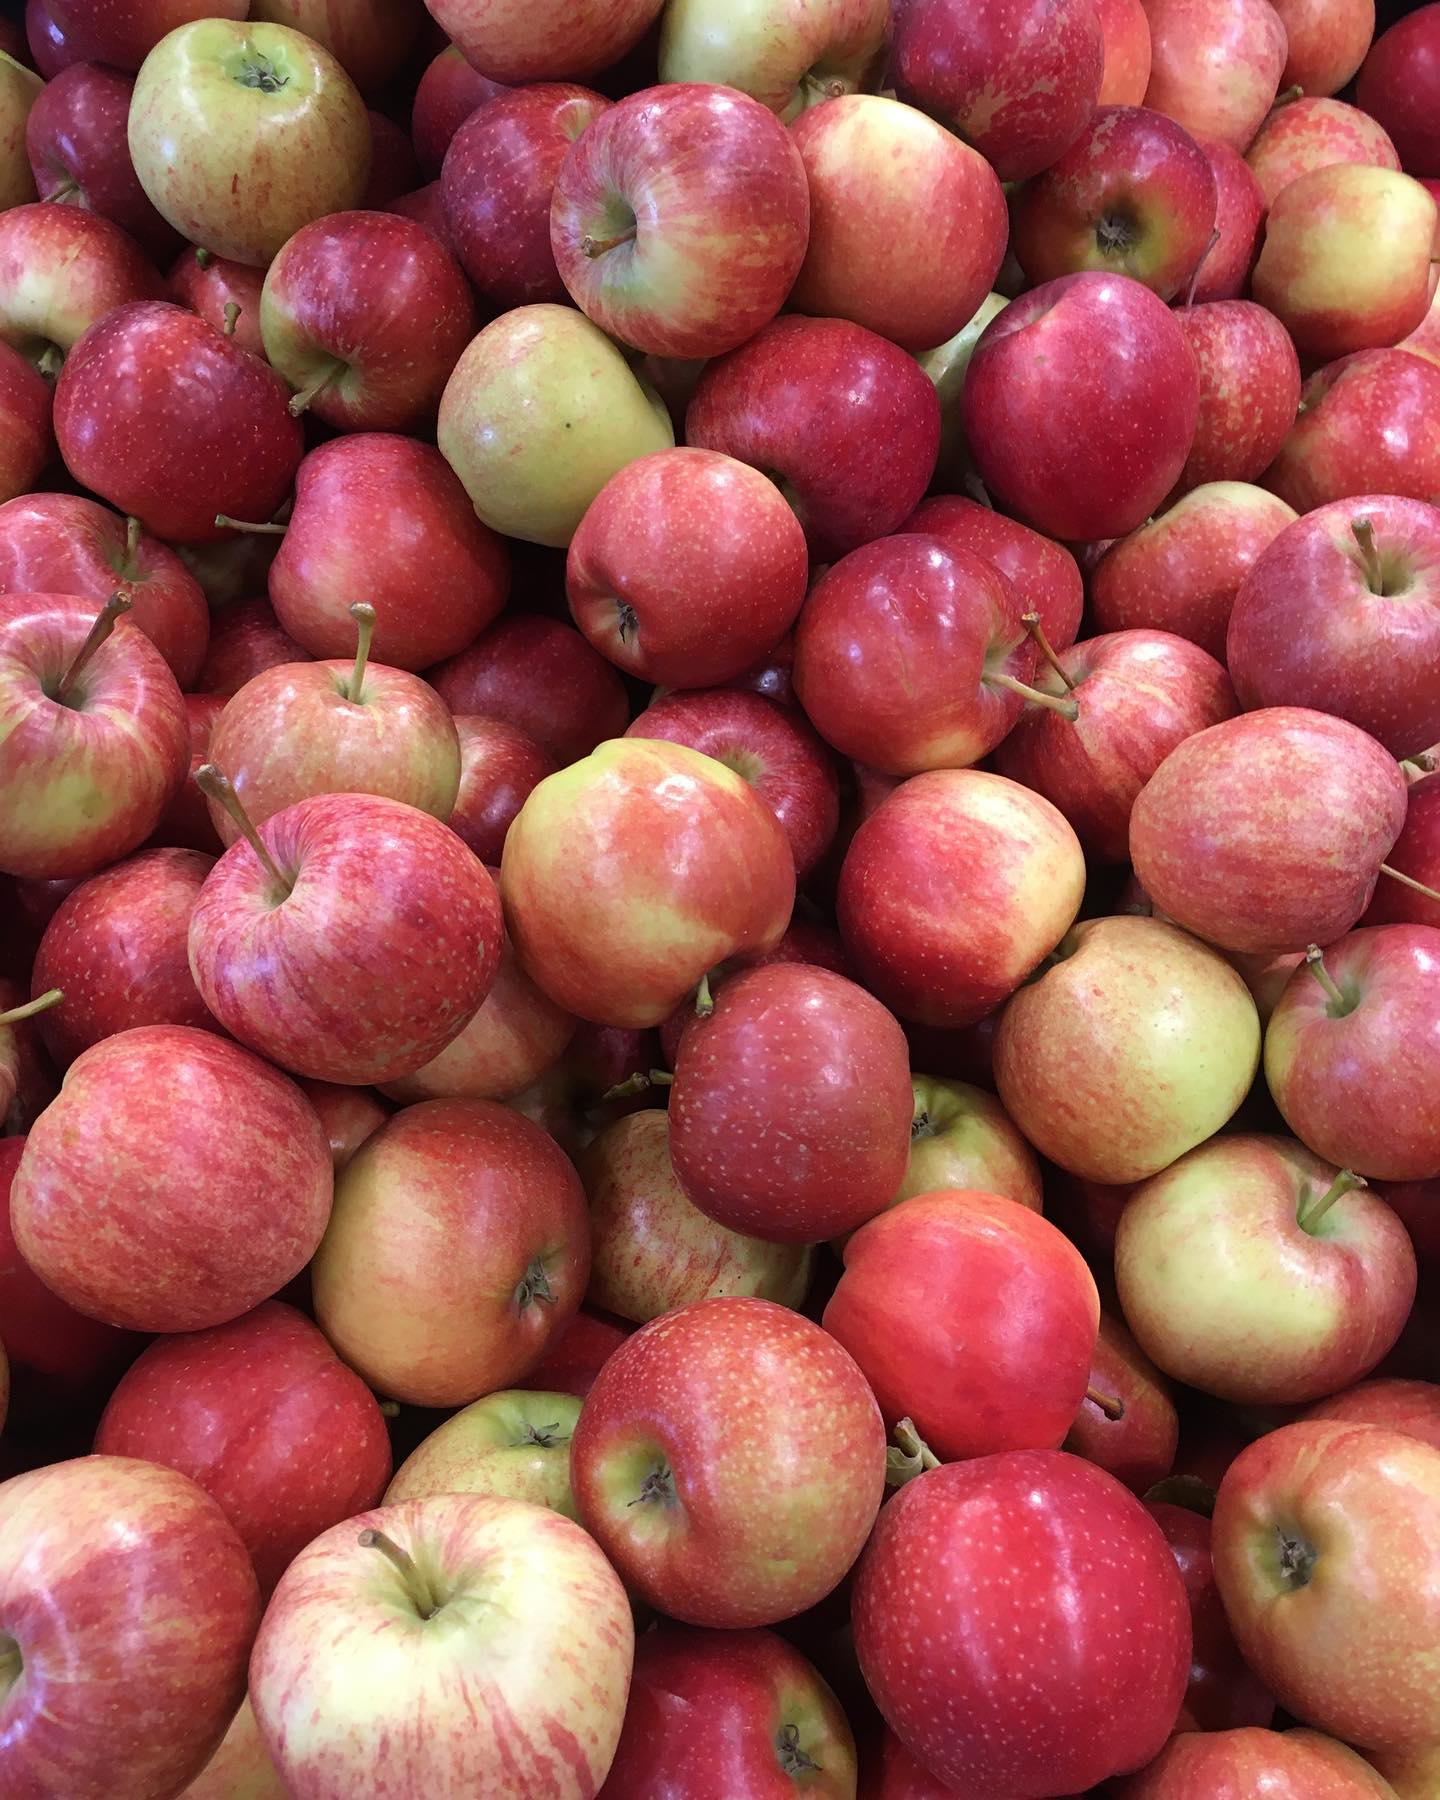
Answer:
[(719, 900)]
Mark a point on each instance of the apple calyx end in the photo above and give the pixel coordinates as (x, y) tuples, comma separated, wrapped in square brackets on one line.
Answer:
[(533, 1287), (658, 1487), (1297, 1558), (792, 1758)]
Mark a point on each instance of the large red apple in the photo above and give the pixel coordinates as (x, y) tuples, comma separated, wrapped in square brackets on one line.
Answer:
[(1249, 390), (1399, 85), (1366, 425), (1215, 65)]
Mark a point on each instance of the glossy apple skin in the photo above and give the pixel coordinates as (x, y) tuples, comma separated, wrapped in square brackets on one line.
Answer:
[(541, 677), (340, 299), (263, 1416), (1287, 1313), (1326, 42), (378, 886), (496, 185), (1126, 31), (370, 39), (1313, 133), (517, 41), (953, 890), (116, 950), (1249, 390), (687, 568), (514, 1444), (201, 1224), (1139, 1447), (789, 56), (991, 1681), (961, 1137), (347, 1115), (1016, 79), (245, 639), (473, 1225), (974, 1374), (1369, 427), (1417, 854), (124, 32), (1412, 1407), (1215, 65), (1115, 372), (499, 766), (364, 506), (1261, 793), (630, 874), (1044, 572), (1224, 1765), (670, 1410), (1224, 271), (208, 284), (843, 419), (126, 1587), (1363, 1503), (63, 270), (537, 1628), (1399, 85), (448, 93), (25, 408)]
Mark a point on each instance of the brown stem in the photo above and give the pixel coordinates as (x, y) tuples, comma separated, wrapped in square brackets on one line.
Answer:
[(106, 620), (593, 246), (638, 1083), (299, 402), (1210, 244), (1035, 626), (364, 616), (41, 1003), (416, 1585), (1110, 1404), (1291, 94), (1308, 1217), (63, 191), (1410, 882), (1067, 709), (223, 522), (1364, 534), (1315, 963), (231, 316), (216, 785)]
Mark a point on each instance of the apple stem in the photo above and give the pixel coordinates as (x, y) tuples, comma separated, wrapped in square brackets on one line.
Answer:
[(1034, 625), (1110, 1404), (132, 539), (1423, 764), (1291, 94), (1315, 962), (389, 1409), (593, 246), (204, 258), (41, 1003), (425, 1602), (1067, 709), (1345, 1182), (912, 1457), (223, 522), (1210, 244), (50, 361), (301, 401), (1410, 882), (704, 999), (638, 1083), (364, 616), (59, 194), (1364, 533), (231, 316), (106, 620), (216, 785)]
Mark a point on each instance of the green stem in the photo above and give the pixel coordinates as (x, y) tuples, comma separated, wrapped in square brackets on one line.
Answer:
[(364, 616), (912, 1457), (704, 999), (106, 620), (638, 1083), (301, 401), (1344, 1183), (416, 1585), (217, 786), (204, 258), (1315, 963), (1067, 709), (231, 316), (41, 1003)]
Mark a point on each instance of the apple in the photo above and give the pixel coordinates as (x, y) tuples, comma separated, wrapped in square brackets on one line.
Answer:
[(19, 89), (514, 1444), (370, 39), (124, 32), (1044, 572), (61, 271), (543, 40), (263, 1416), (1267, 832), (1314, 133), (1127, 1423), (1398, 84), (458, 1607), (947, 365), (201, 1224), (576, 1355), (1327, 41), (1016, 79), (1416, 854), (242, 133), (347, 1115), (1249, 390), (840, 418), (541, 411), (242, 1768), (1252, 1760), (1224, 271), (662, 1463), (245, 638), (1126, 30), (225, 294), (1215, 65), (1114, 391), (953, 890), (1409, 1406), (1047, 1683), (1323, 1530), (125, 1595), (961, 1137), (1411, 1772), (448, 92), (337, 312), (785, 54), (1307, 1284), (28, 441), (48, 46), (1366, 426), (499, 766), (27, 1084)]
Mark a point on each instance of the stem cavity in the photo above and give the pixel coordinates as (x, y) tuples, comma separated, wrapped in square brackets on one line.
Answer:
[(106, 620), (425, 1600), (1307, 1217), (217, 786)]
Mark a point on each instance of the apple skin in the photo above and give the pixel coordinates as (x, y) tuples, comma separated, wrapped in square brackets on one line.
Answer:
[(242, 1768), (514, 1444), (28, 444), (458, 1247), (347, 1115), (125, 1586), (1358, 1508), (1313, 133), (338, 305), (534, 1626), (842, 419), (1116, 378), (1417, 854), (787, 54), (378, 886), (370, 39), (1044, 572), (1225, 834), (1215, 65), (499, 766), (1398, 86), (1016, 79), (1286, 1313), (1368, 427), (20, 88), (1133, 195), (1224, 271), (124, 32), (918, 1308), (947, 365), (245, 638), (1226, 1765), (497, 182), (47, 46), (1412, 1407), (363, 507), (1126, 31), (447, 94), (1139, 1447), (668, 1413), (520, 41), (1249, 390), (953, 890), (630, 874), (576, 1355), (961, 1137), (1326, 42), (63, 270), (687, 568), (263, 1416), (208, 284), (1001, 1685), (231, 159)]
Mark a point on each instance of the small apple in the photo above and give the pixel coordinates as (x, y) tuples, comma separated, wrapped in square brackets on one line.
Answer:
[(1126, 31), (370, 39), (28, 441), (1327, 41), (447, 93), (514, 1444), (1366, 426), (1044, 572), (961, 1137), (1409, 1406), (1224, 271), (1127, 1423), (63, 270), (225, 294), (1398, 85), (245, 638)]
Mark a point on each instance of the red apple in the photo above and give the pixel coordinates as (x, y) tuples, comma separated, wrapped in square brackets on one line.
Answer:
[(370, 39), (394, 170), (210, 286), (1126, 31), (1044, 572), (1291, 1765), (1367, 425), (1416, 854), (1224, 271), (48, 45), (232, 568), (63, 270), (185, 824), (27, 1076), (245, 639), (1306, 134), (499, 766), (1249, 390), (1400, 86), (425, 206), (1215, 65), (124, 32), (1127, 1423), (347, 1115), (28, 441), (1412, 1407), (448, 93), (1327, 41), (544, 40), (576, 1355)]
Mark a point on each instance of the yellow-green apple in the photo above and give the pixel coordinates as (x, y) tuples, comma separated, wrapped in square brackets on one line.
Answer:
[(1398, 85), (953, 890), (242, 133), (1222, 1765), (1133, 195), (447, 93), (961, 1137), (654, 1249), (543, 40), (1409, 1406), (1045, 1684), (1044, 572), (488, 1611), (1416, 854), (1215, 65), (126, 1597), (973, 1317), (665, 1471), (61, 271), (1017, 79), (1367, 425), (843, 420), (173, 423), (1139, 693), (1350, 1052), (801, 1051), (497, 182), (541, 411), (349, 938), (263, 1415), (1127, 1423), (1313, 133), (225, 294), (680, 218), (1267, 832), (116, 950), (687, 568), (1307, 1283), (946, 365), (1224, 271), (347, 1115), (1346, 260), (337, 316), (65, 544), (93, 735), (241, 1768), (1341, 605), (629, 875), (1086, 374), (788, 54), (370, 39), (245, 638), (19, 89), (907, 223), (458, 1247), (514, 1444), (1326, 41), (1126, 31), (1328, 1533), (1249, 390), (499, 766)]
